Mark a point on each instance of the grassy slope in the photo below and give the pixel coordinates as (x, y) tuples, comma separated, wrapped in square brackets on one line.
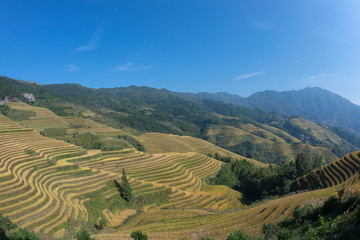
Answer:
[(321, 132), (160, 143), (218, 226), (57, 186), (153, 142), (45, 118), (50, 199), (285, 144)]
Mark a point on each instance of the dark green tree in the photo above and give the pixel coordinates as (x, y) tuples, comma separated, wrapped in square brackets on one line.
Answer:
[(124, 188), (303, 164), (317, 160), (84, 235), (22, 234), (139, 235), (127, 192), (238, 235)]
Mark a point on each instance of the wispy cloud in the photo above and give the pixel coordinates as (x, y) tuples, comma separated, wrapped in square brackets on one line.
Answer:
[(314, 78), (129, 66), (249, 75), (265, 26), (93, 42), (72, 68)]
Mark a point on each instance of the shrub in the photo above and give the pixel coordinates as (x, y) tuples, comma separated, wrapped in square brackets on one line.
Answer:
[(137, 145), (139, 235), (83, 235), (238, 235), (22, 234)]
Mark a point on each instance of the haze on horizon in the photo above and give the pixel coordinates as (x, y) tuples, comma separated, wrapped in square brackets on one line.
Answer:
[(239, 47)]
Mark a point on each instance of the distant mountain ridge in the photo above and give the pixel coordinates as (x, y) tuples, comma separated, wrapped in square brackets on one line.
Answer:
[(265, 136), (315, 104)]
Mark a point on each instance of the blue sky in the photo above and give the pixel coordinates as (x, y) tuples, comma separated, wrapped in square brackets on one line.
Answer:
[(239, 47)]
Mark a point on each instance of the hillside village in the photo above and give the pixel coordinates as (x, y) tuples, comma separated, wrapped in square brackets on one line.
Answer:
[(29, 96)]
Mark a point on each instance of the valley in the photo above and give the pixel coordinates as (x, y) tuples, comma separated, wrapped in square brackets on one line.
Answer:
[(62, 166)]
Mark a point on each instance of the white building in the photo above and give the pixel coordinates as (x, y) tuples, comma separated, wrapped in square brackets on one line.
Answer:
[(29, 97)]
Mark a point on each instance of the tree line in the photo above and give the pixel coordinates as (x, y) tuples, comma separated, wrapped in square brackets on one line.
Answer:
[(256, 183)]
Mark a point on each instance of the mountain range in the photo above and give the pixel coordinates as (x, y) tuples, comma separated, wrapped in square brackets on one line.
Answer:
[(247, 130), (315, 104)]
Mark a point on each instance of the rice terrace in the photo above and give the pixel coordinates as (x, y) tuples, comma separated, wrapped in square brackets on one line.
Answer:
[(53, 188), (179, 120)]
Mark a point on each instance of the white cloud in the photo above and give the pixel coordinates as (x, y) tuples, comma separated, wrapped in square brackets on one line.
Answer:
[(249, 75), (72, 68), (92, 43), (314, 78), (129, 66)]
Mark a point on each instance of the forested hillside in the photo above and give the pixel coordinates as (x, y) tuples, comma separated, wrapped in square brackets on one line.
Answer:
[(315, 104), (266, 136)]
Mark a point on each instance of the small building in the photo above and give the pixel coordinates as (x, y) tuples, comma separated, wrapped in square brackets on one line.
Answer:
[(6, 99), (29, 96), (32, 82)]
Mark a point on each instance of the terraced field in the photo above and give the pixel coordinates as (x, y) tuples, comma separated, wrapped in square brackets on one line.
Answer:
[(44, 118), (52, 188), (193, 225), (46, 184), (274, 139), (334, 173), (160, 143)]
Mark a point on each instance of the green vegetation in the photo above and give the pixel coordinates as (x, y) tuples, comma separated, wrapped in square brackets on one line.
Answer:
[(139, 235), (329, 175), (20, 115), (30, 152), (141, 109), (239, 235), (4, 109), (217, 156), (167, 193), (124, 188), (256, 151), (259, 183), (9, 231), (338, 218), (135, 143), (306, 163), (86, 140), (84, 235), (349, 137), (54, 132), (339, 151), (63, 111)]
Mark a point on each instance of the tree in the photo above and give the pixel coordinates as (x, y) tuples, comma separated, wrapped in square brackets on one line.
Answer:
[(238, 235), (303, 164), (124, 188), (317, 160), (22, 234), (84, 235), (139, 235), (127, 192)]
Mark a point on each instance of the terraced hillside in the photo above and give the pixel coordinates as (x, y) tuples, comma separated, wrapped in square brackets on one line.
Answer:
[(332, 174), (277, 140), (42, 118), (160, 142), (190, 225), (139, 110), (51, 187)]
